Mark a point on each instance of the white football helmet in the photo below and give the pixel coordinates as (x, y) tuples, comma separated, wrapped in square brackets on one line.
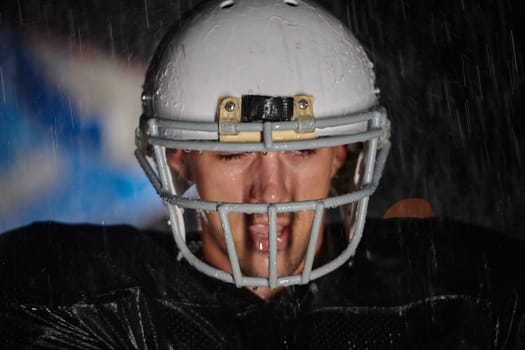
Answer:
[(262, 76)]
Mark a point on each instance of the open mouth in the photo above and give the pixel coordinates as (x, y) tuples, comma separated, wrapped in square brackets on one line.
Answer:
[(260, 236)]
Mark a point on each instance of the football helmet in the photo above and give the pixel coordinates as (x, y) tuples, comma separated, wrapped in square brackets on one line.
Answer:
[(262, 76)]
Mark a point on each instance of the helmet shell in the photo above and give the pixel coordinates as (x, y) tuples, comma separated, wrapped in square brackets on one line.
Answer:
[(260, 47)]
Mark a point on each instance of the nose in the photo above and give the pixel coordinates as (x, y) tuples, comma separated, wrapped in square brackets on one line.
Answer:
[(270, 178)]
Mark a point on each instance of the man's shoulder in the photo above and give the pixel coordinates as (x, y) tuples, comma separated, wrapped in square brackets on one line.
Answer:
[(443, 244), (424, 284), (49, 262), (445, 254), (402, 260), (113, 284)]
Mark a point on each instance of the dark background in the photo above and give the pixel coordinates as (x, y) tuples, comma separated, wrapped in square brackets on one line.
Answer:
[(450, 72)]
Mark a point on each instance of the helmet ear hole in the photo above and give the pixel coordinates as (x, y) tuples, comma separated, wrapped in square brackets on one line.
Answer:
[(292, 3), (227, 4)]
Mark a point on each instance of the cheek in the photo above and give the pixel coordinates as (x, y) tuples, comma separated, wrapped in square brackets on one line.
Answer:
[(312, 184), (316, 178), (218, 184)]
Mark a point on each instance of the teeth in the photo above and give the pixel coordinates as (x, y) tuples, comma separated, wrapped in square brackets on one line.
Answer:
[(266, 236), (261, 242)]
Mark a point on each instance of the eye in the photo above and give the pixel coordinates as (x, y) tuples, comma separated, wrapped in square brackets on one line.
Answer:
[(232, 156), (306, 152)]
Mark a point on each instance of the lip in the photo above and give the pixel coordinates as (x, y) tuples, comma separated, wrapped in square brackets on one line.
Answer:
[(260, 232)]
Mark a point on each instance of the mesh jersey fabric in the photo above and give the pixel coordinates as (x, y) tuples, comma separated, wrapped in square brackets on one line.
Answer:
[(413, 284)]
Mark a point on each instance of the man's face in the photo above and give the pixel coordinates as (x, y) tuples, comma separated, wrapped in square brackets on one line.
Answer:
[(259, 178)]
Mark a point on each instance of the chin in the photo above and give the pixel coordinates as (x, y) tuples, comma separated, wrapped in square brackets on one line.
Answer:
[(257, 265)]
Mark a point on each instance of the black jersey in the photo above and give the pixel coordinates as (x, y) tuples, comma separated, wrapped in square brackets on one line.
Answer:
[(413, 284)]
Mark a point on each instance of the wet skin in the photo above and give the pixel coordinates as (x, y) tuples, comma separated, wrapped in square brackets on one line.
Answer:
[(259, 178)]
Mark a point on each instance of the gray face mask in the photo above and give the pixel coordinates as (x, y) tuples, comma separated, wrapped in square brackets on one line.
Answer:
[(155, 139)]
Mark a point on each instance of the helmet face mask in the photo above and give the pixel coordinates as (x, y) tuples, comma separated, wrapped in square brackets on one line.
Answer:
[(258, 168)]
